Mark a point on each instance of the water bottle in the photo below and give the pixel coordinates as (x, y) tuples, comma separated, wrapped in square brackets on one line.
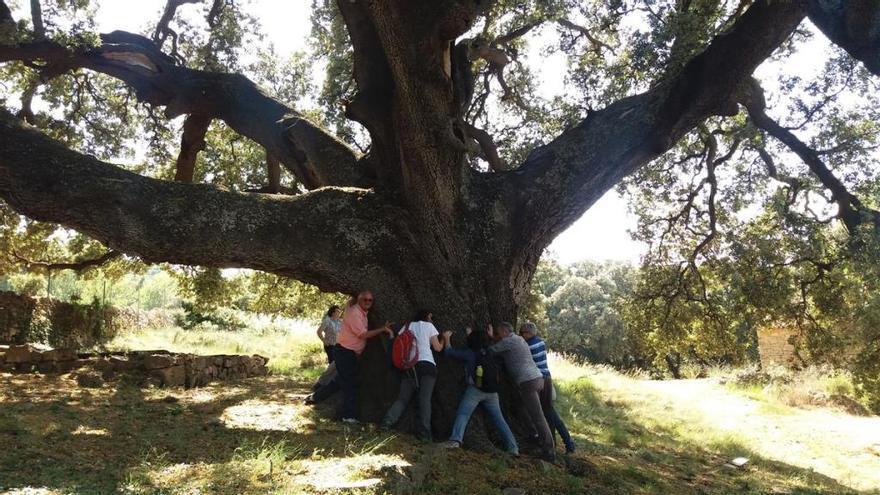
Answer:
[(479, 376)]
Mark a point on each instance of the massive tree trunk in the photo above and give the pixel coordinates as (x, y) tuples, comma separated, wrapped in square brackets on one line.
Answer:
[(409, 220)]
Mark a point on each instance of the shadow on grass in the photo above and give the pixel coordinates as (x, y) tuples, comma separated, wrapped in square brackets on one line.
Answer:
[(255, 436)]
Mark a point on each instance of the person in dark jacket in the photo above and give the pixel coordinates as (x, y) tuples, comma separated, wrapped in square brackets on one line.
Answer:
[(473, 356)]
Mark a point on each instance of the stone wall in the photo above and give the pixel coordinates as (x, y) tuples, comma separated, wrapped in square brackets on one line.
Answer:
[(57, 323), (161, 368), (776, 346), (16, 313)]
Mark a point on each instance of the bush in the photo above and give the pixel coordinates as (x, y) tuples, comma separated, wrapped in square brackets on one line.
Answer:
[(220, 319)]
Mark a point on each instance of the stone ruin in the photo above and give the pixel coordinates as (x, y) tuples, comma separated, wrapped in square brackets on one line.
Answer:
[(162, 368)]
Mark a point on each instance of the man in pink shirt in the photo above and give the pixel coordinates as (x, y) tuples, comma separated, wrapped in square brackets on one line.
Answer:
[(350, 344)]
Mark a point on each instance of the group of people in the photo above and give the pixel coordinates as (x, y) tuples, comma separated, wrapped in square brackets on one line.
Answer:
[(524, 358)]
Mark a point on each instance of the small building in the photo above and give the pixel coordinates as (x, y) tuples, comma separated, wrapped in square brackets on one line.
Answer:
[(777, 345)]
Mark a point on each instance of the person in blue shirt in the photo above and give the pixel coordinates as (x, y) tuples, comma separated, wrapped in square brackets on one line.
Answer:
[(473, 357), (529, 332)]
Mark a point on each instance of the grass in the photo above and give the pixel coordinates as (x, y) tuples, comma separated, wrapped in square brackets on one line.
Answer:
[(255, 436), (291, 345)]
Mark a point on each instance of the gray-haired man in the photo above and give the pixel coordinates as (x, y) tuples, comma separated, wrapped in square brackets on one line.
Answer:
[(522, 369)]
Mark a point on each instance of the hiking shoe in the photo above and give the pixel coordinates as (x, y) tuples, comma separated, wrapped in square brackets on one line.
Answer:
[(310, 400), (569, 449), (450, 444), (512, 453), (385, 426), (351, 421)]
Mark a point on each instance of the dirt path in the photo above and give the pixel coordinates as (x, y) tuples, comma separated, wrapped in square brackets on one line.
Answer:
[(832, 443)]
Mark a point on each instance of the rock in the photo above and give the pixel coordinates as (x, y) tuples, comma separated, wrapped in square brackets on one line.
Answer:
[(47, 367), (21, 354), (157, 361), (122, 364), (737, 463), (170, 399), (175, 376), (59, 355), (67, 366), (103, 365), (89, 379), (199, 363), (545, 466)]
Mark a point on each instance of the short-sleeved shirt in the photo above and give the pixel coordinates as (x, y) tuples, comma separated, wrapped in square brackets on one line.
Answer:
[(539, 354), (423, 331), (330, 330), (354, 325)]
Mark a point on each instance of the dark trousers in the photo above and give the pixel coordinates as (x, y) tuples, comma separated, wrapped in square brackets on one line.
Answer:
[(553, 420), (420, 379), (329, 350), (324, 392), (346, 366), (530, 391)]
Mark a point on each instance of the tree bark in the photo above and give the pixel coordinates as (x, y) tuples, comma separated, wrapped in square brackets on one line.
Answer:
[(854, 25)]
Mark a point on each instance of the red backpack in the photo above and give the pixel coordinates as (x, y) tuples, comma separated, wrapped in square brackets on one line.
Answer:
[(404, 351)]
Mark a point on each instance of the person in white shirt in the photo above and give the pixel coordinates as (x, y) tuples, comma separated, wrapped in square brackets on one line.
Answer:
[(328, 330), (421, 377)]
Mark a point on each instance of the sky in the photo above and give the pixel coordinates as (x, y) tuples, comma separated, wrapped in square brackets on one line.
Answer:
[(603, 231)]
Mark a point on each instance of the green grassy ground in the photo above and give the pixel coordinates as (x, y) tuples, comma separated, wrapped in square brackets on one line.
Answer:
[(255, 436)]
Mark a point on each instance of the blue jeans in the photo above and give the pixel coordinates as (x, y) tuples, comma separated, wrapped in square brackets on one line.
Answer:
[(471, 399), (553, 419)]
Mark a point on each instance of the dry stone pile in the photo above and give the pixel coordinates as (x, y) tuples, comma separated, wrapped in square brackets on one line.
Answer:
[(163, 368)]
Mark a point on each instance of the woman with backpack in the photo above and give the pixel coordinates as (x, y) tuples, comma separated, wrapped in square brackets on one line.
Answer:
[(483, 375), (420, 370)]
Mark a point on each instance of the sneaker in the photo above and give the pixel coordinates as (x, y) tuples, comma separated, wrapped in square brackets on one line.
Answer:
[(310, 400), (351, 421), (513, 453), (569, 449), (450, 444), (384, 426)]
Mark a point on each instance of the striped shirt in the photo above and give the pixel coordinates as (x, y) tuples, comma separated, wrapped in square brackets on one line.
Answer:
[(539, 354)]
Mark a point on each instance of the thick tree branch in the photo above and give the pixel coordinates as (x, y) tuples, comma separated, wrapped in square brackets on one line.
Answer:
[(314, 156), (274, 173), (850, 209), (560, 180), (597, 44), (76, 266), (854, 25), (37, 19), (191, 143), (329, 237)]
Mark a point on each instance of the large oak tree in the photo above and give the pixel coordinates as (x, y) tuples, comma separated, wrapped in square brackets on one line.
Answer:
[(440, 207)]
